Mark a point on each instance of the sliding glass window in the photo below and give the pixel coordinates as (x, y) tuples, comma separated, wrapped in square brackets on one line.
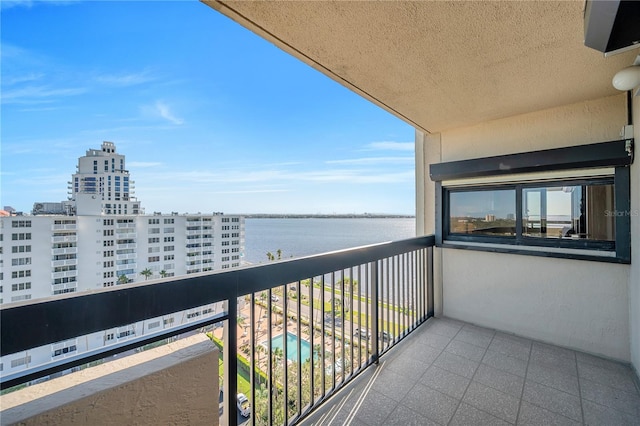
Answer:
[(569, 211), (562, 213), (483, 212)]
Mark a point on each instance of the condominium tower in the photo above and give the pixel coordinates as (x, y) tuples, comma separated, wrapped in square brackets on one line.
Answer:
[(100, 238)]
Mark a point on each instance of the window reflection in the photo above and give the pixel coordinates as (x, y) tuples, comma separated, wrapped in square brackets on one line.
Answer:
[(483, 212), (577, 212)]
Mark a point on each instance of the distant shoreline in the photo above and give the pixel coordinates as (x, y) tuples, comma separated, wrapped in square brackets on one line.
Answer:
[(327, 216)]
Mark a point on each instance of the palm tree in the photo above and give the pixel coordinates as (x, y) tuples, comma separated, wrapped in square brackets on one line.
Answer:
[(122, 279), (279, 252), (270, 256), (163, 273), (146, 273)]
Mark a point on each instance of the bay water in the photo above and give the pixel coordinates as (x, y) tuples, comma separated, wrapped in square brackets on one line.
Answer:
[(298, 237)]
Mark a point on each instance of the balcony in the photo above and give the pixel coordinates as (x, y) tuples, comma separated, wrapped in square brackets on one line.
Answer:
[(364, 316), (69, 250), (64, 239), (64, 274), (66, 262), (64, 227)]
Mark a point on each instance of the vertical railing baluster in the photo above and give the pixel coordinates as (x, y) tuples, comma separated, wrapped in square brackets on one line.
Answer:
[(430, 300), (299, 335), (322, 341), (423, 284), (413, 291), (230, 357), (342, 320), (374, 311), (285, 355), (405, 300), (351, 307), (386, 301), (312, 333), (252, 366), (366, 285), (367, 318), (394, 292), (333, 329), (269, 360)]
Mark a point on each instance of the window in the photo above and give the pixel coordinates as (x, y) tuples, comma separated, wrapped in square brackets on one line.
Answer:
[(154, 221), (20, 286), (571, 211), (168, 221), (21, 361), (21, 224), (169, 239), (21, 236), (21, 249), (561, 213), (569, 202), (20, 274), (482, 212), (154, 240)]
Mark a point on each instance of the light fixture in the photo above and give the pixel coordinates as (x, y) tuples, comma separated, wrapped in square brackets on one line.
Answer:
[(628, 78)]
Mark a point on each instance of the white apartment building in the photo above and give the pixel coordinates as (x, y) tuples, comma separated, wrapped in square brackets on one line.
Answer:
[(101, 238)]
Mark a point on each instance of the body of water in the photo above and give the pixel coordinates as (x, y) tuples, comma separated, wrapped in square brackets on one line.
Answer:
[(304, 237)]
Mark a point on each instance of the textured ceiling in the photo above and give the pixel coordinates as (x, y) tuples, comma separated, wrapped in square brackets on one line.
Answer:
[(441, 65)]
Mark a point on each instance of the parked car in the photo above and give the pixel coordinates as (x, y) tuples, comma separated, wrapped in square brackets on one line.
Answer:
[(386, 337), (363, 332), (338, 367), (243, 405), (275, 298)]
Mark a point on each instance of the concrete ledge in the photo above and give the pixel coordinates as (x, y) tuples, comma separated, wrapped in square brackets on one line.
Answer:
[(172, 384)]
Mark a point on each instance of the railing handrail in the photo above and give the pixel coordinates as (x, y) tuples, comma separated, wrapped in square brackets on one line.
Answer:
[(54, 319)]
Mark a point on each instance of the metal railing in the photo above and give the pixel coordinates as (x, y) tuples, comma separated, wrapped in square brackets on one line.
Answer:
[(314, 323)]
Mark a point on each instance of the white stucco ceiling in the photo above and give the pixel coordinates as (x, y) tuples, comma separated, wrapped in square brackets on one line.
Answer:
[(441, 65)]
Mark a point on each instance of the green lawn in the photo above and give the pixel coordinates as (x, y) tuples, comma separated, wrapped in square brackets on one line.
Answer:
[(244, 386)]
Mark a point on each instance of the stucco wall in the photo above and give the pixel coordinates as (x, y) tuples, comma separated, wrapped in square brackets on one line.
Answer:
[(573, 303), (174, 384)]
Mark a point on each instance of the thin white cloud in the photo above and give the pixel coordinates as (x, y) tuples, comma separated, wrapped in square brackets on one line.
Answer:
[(162, 110), (143, 164), (8, 4), (251, 191), (367, 161), (10, 81), (39, 94), (391, 146), (124, 80), (273, 177)]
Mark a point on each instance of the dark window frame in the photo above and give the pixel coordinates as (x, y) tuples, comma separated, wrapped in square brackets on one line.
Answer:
[(519, 239), (616, 154)]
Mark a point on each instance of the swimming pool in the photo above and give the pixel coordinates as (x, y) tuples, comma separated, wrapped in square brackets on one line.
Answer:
[(292, 347)]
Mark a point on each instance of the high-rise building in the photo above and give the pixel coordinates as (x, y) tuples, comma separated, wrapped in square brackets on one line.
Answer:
[(100, 238)]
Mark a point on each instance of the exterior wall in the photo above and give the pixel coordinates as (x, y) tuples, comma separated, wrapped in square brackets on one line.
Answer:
[(634, 279), (174, 384), (573, 303)]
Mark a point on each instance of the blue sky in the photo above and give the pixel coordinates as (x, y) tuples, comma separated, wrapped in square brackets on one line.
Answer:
[(210, 116)]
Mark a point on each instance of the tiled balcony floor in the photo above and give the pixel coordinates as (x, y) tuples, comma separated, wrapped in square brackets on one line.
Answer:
[(452, 373)]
